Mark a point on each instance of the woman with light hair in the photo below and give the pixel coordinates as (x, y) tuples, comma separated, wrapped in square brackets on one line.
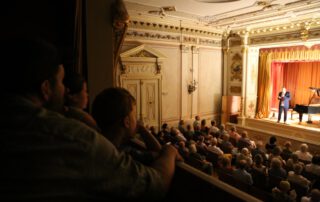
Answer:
[(303, 153)]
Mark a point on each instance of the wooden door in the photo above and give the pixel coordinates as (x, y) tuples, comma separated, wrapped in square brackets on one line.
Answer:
[(146, 92)]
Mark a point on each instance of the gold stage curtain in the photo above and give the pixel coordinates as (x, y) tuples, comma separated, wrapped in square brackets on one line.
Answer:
[(285, 54), (264, 84)]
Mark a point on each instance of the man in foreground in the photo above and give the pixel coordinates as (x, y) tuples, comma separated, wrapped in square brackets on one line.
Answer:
[(47, 157)]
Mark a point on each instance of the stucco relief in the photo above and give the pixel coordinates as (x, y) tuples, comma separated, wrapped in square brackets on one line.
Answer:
[(236, 68), (143, 53), (140, 68)]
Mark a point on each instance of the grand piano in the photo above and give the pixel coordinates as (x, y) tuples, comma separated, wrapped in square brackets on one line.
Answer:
[(312, 108)]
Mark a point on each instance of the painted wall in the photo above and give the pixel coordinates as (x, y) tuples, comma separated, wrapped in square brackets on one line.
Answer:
[(177, 103)]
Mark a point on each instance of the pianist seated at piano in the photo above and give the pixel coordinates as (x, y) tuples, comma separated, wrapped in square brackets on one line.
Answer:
[(283, 97), (312, 108)]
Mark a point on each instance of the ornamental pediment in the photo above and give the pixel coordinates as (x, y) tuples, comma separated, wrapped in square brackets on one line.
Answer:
[(141, 60), (141, 52)]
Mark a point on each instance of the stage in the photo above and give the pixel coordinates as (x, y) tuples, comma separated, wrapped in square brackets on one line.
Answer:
[(262, 129)]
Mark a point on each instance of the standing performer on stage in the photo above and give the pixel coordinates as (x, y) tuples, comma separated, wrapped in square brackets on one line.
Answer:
[(283, 97)]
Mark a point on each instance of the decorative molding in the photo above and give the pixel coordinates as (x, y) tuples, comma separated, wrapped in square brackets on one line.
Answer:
[(140, 24), (185, 48), (209, 42), (152, 36), (173, 38)]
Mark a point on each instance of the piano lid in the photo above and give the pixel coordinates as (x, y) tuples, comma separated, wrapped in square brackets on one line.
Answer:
[(315, 99)]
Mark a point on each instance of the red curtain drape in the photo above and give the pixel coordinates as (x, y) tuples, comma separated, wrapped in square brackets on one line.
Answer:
[(297, 77)]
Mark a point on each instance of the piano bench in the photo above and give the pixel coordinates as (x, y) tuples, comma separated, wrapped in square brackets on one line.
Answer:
[(292, 112), (273, 111)]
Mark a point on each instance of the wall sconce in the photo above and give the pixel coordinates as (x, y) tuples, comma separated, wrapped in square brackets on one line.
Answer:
[(192, 86)]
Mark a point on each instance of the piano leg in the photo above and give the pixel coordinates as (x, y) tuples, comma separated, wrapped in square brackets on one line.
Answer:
[(309, 119), (300, 117)]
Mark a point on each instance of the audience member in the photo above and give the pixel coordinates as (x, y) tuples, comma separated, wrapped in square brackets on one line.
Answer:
[(225, 145), (203, 127), (271, 144), (196, 122), (303, 153), (234, 134), (276, 153), (259, 150), (225, 165), (276, 170), (296, 177), (314, 196), (189, 133), (214, 147), (241, 174), (207, 167), (76, 99), (258, 164), (181, 127), (314, 166), (244, 141), (286, 151), (245, 155), (47, 157), (282, 193), (292, 161), (213, 129)]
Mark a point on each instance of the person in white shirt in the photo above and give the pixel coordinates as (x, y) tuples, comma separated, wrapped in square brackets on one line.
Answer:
[(314, 166), (303, 153)]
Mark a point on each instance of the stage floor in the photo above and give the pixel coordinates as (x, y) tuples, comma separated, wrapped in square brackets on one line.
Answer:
[(315, 125)]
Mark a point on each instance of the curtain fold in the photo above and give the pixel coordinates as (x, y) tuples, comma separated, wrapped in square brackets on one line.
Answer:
[(264, 85)]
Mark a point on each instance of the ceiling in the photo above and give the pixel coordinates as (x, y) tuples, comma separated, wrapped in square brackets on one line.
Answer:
[(234, 14)]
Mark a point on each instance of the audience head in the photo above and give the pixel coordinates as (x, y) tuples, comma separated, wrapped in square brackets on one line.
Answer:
[(258, 160), (203, 122), (213, 123), (197, 118), (222, 127), (287, 144), (76, 91), (272, 140), (244, 134), (33, 69), (225, 162), (259, 144), (114, 109), (181, 122), (214, 141), (164, 126), (233, 129), (315, 195), (303, 148), (284, 186), (275, 163), (276, 151), (297, 168), (225, 136), (245, 151), (242, 164), (189, 127)]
